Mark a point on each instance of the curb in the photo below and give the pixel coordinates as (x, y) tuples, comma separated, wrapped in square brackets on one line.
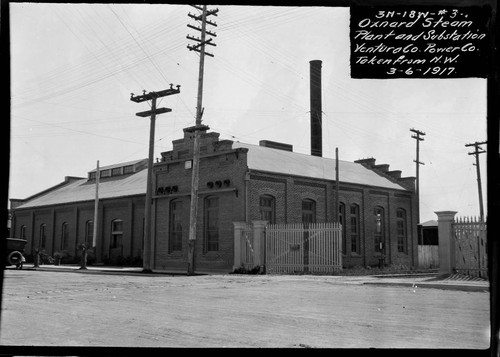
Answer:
[(125, 271), (473, 288)]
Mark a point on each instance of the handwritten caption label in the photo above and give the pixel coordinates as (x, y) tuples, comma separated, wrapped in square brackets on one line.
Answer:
[(419, 42)]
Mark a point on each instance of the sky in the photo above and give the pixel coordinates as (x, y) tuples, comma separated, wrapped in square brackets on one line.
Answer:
[(74, 66)]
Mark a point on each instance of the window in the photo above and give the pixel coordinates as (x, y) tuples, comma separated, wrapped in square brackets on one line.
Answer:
[(342, 222), (89, 233), (308, 211), (64, 236), (267, 210), (401, 230), (92, 175), (379, 229), (116, 171), (211, 241), (128, 169), (355, 228), (22, 233), (116, 233), (175, 229), (43, 237), (105, 173)]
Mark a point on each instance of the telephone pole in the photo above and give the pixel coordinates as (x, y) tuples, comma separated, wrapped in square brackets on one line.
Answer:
[(418, 138), (152, 96), (198, 47), (93, 245), (478, 150)]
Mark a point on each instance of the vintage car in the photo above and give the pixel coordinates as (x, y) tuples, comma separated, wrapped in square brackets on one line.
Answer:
[(15, 250)]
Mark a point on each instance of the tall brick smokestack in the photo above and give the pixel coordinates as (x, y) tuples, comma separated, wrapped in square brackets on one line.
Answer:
[(315, 92)]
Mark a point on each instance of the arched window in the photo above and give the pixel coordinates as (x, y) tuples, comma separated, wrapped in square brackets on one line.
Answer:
[(379, 234), (401, 230), (267, 208), (89, 233), (116, 233), (354, 228), (308, 211), (22, 233), (342, 222), (211, 226), (64, 236), (43, 237), (175, 228)]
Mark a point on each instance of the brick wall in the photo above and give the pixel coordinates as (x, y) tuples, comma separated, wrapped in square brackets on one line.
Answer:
[(129, 209), (290, 191), (222, 175)]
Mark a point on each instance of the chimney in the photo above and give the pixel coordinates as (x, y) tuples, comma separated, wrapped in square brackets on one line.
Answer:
[(315, 92)]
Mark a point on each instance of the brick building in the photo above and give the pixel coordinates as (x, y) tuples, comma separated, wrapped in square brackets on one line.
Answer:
[(241, 183), (237, 183), (60, 218)]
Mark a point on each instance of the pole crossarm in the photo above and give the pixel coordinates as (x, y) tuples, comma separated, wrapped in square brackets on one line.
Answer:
[(207, 42), (200, 18), (478, 150), (201, 30), (195, 48), (158, 94), (151, 112)]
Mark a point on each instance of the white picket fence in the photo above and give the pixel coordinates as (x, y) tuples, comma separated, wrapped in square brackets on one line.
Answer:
[(297, 248), (471, 247)]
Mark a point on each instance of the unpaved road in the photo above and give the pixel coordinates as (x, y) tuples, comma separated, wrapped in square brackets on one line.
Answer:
[(42, 308)]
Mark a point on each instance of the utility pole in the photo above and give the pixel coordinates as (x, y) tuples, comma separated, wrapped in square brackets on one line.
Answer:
[(85, 245), (478, 150), (417, 137), (337, 215), (153, 96), (199, 47), (96, 207)]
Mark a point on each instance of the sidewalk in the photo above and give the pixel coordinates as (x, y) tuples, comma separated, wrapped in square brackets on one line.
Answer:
[(439, 281), (431, 280)]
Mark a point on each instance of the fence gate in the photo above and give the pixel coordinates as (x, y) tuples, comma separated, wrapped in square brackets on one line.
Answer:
[(471, 247), (293, 248), (247, 247)]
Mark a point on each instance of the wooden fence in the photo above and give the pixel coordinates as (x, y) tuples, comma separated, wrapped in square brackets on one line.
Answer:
[(293, 248), (428, 256), (471, 247)]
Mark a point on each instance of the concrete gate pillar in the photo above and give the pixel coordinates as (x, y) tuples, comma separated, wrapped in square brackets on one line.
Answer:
[(238, 231), (259, 245), (446, 241)]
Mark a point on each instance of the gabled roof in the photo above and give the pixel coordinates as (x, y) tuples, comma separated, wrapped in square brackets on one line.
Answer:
[(84, 190), (260, 158), (431, 223), (290, 163)]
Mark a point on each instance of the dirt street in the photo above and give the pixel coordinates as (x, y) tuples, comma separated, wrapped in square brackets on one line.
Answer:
[(44, 308)]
